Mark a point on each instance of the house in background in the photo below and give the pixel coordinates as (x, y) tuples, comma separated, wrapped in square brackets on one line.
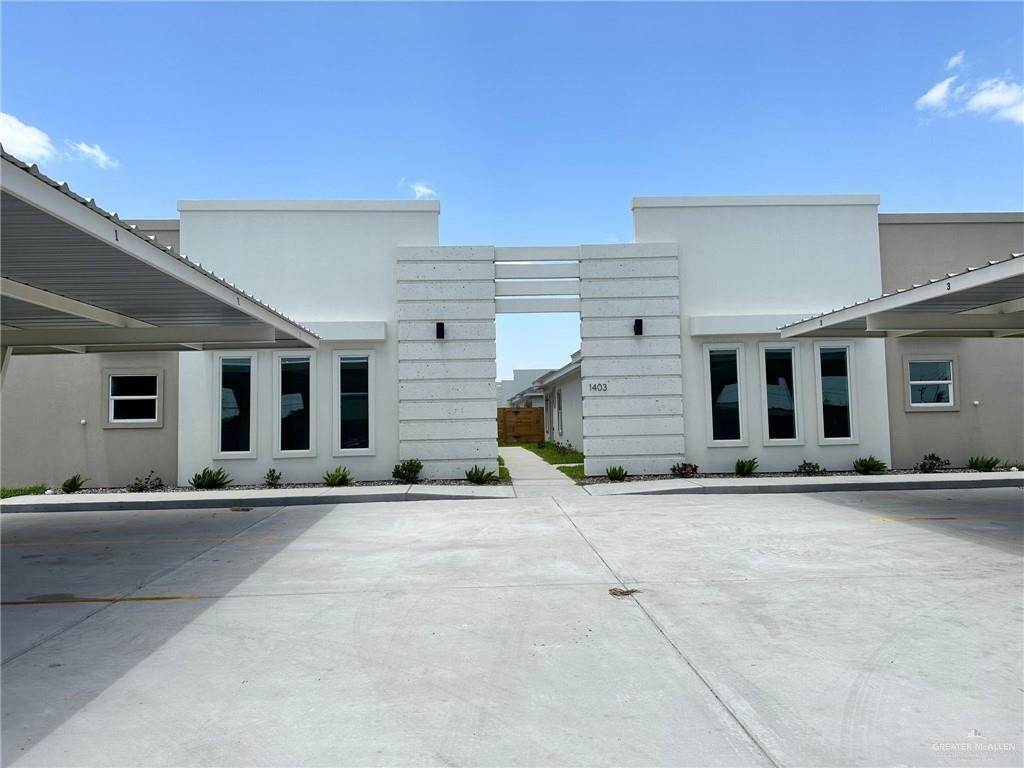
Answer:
[(519, 385), (563, 403), (681, 354)]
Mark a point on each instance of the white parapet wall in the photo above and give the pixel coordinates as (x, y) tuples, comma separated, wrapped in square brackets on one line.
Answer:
[(446, 387), (632, 383)]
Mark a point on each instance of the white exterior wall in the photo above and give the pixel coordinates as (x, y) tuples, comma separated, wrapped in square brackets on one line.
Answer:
[(322, 263), (447, 387), (631, 386), (748, 265)]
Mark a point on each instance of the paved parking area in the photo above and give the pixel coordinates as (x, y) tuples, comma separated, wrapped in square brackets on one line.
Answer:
[(879, 628)]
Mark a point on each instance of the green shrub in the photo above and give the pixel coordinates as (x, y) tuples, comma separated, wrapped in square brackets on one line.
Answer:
[(616, 474), (338, 476), (746, 467), (73, 484), (931, 462), (984, 463), (869, 465), (408, 471), (541, 444), (501, 461), (145, 484), (272, 479), (479, 475), (210, 479), (503, 474), (28, 490), (683, 470), (809, 468)]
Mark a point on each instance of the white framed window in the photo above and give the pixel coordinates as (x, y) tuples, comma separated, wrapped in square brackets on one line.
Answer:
[(834, 374), (930, 383), (134, 397), (234, 402), (780, 396), (294, 404), (559, 399), (725, 400), (354, 421)]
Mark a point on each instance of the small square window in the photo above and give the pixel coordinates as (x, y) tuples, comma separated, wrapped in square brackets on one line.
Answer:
[(133, 398), (930, 384)]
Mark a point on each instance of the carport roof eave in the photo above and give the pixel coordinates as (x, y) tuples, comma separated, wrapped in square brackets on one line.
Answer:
[(852, 321), (29, 185)]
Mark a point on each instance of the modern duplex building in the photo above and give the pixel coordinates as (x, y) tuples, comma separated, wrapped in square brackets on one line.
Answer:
[(681, 357)]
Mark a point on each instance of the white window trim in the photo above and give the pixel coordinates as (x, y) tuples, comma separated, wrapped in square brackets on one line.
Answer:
[(276, 407), (794, 349), (740, 349), (851, 382), (108, 412), (253, 406), (371, 366), (558, 407), (954, 385)]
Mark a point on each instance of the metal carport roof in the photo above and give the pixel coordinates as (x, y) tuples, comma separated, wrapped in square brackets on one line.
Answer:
[(985, 301), (75, 278)]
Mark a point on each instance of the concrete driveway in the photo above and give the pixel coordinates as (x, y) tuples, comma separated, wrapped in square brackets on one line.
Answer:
[(832, 629)]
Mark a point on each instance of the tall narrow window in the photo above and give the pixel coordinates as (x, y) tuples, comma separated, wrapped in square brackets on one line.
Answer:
[(559, 399), (294, 404), (724, 379), (780, 393), (836, 421), (353, 403), (235, 404)]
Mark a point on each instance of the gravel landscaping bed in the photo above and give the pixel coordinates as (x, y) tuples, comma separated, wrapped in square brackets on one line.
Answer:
[(240, 487), (732, 475)]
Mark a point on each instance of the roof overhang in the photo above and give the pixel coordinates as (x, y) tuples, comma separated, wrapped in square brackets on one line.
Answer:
[(76, 278), (986, 301)]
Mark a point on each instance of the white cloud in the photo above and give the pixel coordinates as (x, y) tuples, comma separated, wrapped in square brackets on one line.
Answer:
[(93, 152), (937, 97), (26, 142), (999, 98), (420, 189), (1002, 98)]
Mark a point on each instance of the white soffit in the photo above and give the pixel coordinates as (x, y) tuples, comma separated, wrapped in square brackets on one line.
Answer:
[(77, 276), (985, 301)]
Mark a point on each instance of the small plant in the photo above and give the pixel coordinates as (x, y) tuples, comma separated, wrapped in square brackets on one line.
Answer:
[(869, 465), (809, 468), (479, 475), (145, 484), (338, 476), (210, 479), (541, 443), (983, 463), (931, 462), (73, 484), (408, 471), (616, 474), (272, 479), (746, 467), (683, 470), (501, 461)]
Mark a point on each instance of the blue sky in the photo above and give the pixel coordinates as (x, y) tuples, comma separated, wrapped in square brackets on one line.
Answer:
[(532, 123)]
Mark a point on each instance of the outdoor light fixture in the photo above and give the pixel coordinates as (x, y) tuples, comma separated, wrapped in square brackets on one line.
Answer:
[(440, 330), (638, 327)]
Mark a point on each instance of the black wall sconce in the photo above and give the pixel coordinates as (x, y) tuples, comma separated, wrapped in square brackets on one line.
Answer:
[(638, 327), (440, 330)]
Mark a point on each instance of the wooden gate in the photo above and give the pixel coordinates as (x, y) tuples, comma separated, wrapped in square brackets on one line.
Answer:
[(520, 425)]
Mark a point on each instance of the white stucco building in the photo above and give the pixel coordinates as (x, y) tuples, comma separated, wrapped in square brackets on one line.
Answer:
[(681, 356)]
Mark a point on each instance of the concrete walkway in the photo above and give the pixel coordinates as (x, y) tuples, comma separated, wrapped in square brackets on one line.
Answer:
[(533, 478)]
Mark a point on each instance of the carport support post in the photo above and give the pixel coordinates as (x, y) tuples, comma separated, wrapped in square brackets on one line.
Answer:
[(5, 362)]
